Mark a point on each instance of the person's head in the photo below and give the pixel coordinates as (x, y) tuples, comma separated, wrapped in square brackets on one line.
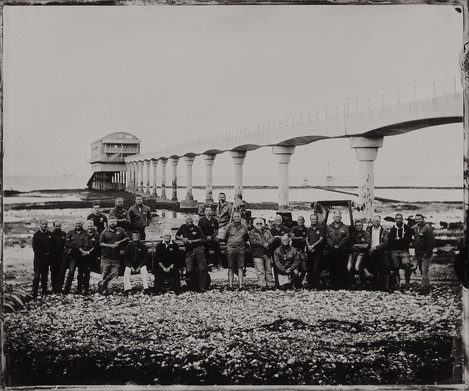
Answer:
[(314, 219), (89, 225), (376, 221), (300, 220), (258, 223), (208, 211), (419, 219), (57, 225), (285, 240), (189, 220), (359, 225), (112, 222), (78, 225), (96, 207), (43, 224), (278, 220), (222, 197), (237, 217), (119, 202), (337, 216), (399, 219), (138, 199), (166, 235), (135, 236)]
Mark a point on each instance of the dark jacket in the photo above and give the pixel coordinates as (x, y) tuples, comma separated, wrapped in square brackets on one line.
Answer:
[(167, 255), (58, 243), (42, 244), (286, 258), (360, 241), (134, 254), (337, 236), (73, 241), (91, 242), (424, 240), (257, 240), (278, 232), (139, 219), (120, 213), (402, 241)]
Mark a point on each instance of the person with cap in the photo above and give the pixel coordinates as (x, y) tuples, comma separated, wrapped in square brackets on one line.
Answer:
[(89, 253), (73, 242), (166, 265), (196, 264), (260, 239), (236, 236), (99, 219), (337, 238), (315, 241), (111, 241), (209, 226), (424, 242), (135, 262), (58, 240), (140, 216), (122, 216), (287, 261), (43, 249)]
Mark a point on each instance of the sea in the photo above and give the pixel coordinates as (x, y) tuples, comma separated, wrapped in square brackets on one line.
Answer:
[(397, 188)]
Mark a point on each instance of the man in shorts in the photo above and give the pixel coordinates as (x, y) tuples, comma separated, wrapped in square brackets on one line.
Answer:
[(360, 242), (236, 236)]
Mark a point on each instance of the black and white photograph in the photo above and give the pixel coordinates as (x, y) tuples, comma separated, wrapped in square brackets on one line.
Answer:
[(210, 195)]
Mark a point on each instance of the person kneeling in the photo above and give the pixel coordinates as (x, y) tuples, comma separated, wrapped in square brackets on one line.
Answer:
[(287, 261), (360, 242), (135, 262), (165, 268)]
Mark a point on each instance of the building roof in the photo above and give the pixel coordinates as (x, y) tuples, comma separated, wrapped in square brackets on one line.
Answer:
[(119, 137)]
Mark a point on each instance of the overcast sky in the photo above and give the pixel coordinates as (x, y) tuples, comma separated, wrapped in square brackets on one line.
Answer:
[(168, 74)]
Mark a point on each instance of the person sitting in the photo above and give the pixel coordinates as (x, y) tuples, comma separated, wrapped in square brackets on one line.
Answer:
[(135, 262), (360, 242), (287, 261), (378, 259), (166, 265), (298, 238), (260, 238), (337, 237)]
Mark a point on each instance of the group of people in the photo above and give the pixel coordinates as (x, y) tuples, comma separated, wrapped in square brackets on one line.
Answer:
[(282, 257)]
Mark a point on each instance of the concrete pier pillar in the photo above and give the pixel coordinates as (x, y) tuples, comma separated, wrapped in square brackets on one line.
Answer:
[(154, 165), (174, 177), (209, 159), (134, 176), (238, 161), (163, 162), (189, 199), (366, 151), (140, 176), (283, 155), (146, 164), (127, 176)]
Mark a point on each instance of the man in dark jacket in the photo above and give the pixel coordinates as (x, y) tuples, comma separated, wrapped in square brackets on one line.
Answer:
[(43, 248), (287, 261), (72, 254), (122, 216), (58, 240), (315, 241), (140, 216), (338, 237), (260, 239), (399, 239), (424, 241), (209, 226), (135, 262), (378, 259), (298, 238), (89, 252), (360, 242), (165, 267)]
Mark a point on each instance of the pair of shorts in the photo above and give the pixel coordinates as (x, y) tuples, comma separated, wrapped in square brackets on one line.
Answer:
[(235, 258)]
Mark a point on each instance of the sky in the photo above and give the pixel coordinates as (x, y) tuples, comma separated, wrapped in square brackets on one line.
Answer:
[(172, 74)]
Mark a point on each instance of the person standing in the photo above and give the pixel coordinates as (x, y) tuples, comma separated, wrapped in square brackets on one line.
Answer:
[(58, 240), (424, 242), (338, 237), (89, 253), (122, 216), (224, 213), (135, 262), (111, 242), (209, 226), (260, 239), (236, 236), (196, 264), (314, 252), (43, 249), (399, 239), (165, 267), (298, 241), (140, 216), (378, 259), (99, 219), (73, 242), (286, 260)]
